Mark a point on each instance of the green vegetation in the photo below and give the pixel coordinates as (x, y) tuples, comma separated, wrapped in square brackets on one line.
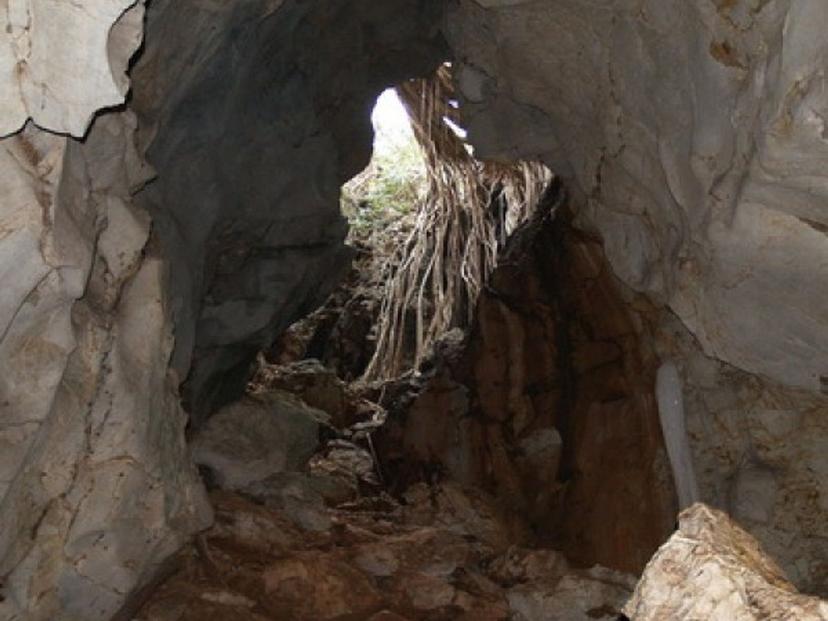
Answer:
[(393, 185)]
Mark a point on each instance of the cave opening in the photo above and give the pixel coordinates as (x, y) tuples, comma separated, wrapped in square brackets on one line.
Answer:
[(462, 361), (237, 384), (394, 182), (445, 364)]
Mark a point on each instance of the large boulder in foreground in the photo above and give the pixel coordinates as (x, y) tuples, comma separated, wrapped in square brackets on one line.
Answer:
[(711, 569)]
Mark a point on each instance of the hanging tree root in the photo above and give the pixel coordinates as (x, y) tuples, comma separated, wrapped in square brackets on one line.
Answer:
[(470, 209)]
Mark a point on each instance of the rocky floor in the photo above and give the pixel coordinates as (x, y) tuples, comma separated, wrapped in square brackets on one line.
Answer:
[(305, 529), (442, 554)]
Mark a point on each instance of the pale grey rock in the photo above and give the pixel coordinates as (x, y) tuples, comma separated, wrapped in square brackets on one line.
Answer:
[(541, 586), (294, 494), (250, 440), (693, 137), (711, 569), (760, 452), (96, 485), (674, 427), (47, 76), (753, 494), (758, 449)]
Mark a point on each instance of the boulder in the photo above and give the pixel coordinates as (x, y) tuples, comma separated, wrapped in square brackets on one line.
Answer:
[(711, 569), (541, 586), (598, 593), (298, 496), (257, 437)]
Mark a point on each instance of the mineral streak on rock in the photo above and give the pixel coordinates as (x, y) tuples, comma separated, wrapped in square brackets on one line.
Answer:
[(673, 425)]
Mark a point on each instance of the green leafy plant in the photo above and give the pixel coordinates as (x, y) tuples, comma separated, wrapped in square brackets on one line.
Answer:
[(392, 185)]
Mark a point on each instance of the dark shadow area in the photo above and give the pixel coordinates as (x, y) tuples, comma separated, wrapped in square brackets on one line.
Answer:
[(251, 148)]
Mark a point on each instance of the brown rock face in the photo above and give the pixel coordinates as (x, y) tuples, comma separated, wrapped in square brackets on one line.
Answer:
[(312, 586), (378, 561), (549, 406)]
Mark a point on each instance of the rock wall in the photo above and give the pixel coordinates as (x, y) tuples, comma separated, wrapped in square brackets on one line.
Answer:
[(255, 117), (252, 128), (548, 404), (692, 135), (695, 134), (46, 76), (759, 450), (96, 485)]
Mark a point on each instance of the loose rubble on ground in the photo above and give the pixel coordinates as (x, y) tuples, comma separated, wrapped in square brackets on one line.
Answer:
[(305, 529)]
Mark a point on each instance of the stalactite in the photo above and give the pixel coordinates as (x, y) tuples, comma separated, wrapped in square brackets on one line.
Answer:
[(671, 414)]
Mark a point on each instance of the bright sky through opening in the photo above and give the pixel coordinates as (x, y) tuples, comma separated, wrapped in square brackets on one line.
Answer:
[(391, 123)]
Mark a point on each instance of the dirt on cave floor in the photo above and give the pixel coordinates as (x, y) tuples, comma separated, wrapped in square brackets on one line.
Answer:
[(328, 541)]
